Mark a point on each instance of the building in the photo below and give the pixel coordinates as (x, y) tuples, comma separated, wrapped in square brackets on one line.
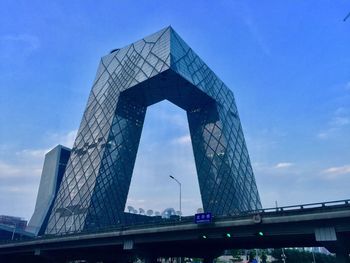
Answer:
[(12, 228), (51, 177), (95, 185), (13, 221)]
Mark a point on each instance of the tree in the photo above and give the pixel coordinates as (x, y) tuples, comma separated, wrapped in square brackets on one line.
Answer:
[(297, 256), (263, 256), (252, 255), (236, 254)]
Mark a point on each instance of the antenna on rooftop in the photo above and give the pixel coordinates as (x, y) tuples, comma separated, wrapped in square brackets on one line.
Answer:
[(131, 209), (149, 212)]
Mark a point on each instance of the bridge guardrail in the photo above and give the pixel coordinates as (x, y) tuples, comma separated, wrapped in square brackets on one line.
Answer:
[(190, 219), (345, 202)]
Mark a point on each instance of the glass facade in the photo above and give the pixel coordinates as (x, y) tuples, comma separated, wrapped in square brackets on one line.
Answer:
[(53, 170), (96, 182)]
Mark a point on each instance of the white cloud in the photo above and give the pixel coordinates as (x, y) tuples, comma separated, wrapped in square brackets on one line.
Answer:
[(244, 13), (136, 202), (8, 170), (24, 44), (20, 174), (339, 121), (18, 170), (29, 160), (257, 36), (167, 113), (337, 170), (37, 155), (183, 140), (174, 119), (65, 139), (33, 153), (164, 150), (341, 111), (283, 165), (19, 189), (265, 167), (347, 86), (323, 135), (29, 41)]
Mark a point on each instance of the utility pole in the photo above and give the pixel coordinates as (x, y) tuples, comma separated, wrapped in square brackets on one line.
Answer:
[(172, 177), (283, 256), (313, 255), (14, 230)]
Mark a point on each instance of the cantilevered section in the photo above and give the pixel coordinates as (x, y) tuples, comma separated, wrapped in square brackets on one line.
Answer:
[(96, 182)]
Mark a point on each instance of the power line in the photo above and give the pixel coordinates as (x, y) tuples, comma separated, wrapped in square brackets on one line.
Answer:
[(348, 15)]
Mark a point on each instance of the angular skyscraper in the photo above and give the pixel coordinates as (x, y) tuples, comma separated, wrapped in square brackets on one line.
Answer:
[(51, 177), (162, 66)]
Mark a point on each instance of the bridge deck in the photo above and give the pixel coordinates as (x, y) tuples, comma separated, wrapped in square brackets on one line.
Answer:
[(292, 226)]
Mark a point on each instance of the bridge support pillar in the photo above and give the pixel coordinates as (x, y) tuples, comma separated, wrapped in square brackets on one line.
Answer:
[(342, 256), (208, 259), (150, 259), (119, 260)]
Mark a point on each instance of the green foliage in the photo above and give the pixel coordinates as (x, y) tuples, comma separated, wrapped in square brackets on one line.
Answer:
[(263, 257), (252, 255), (219, 261), (236, 254), (296, 256)]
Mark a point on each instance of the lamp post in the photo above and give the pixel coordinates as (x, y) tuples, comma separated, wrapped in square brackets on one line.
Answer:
[(172, 177), (14, 230), (283, 256), (313, 255)]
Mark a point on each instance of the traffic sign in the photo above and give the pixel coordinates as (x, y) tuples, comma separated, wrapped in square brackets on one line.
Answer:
[(203, 218)]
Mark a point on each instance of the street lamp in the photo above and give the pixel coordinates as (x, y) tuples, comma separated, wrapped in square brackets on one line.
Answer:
[(313, 255), (172, 177), (283, 256), (14, 230)]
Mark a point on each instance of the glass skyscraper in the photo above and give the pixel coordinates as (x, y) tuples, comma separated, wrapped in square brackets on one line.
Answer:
[(96, 181), (51, 177)]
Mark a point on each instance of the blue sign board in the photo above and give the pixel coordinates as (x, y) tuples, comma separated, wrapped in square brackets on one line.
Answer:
[(203, 218)]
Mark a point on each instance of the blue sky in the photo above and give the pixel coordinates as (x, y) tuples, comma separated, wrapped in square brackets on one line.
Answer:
[(287, 62)]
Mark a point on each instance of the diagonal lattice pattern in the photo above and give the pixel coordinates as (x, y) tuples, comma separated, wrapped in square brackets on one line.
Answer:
[(96, 182)]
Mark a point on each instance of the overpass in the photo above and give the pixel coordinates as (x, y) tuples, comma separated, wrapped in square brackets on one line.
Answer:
[(311, 225)]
